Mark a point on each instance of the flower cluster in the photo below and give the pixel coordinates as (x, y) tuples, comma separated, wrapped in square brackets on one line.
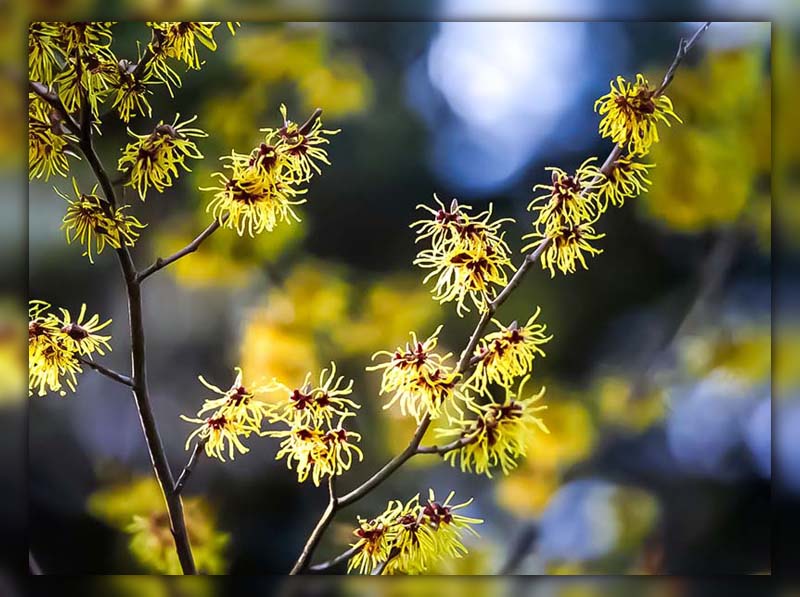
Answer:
[(224, 421), (152, 160), (468, 256), (260, 189), (49, 144), (314, 441), (93, 222), (409, 538), (571, 205), (420, 379), (508, 353), (56, 344), (498, 434)]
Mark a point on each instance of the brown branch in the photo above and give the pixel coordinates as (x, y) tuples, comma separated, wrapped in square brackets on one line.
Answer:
[(333, 562), (683, 49), (382, 566), (163, 262), (141, 394), (453, 445), (51, 97), (110, 373), (319, 529), (187, 470)]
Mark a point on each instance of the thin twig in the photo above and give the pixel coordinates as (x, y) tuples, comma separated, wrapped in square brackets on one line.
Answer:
[(453, 445), (52, 98), (521, 547), (683, 49), (333, 562), (187, 470), (163, 262), (319, 529), (110, 373)]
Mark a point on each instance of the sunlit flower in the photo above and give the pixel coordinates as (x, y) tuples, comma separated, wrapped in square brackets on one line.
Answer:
[(239, 403), (252, 199), (569, 199), (374, 539), (302, 144), (420, 379), (407, 363), (44, 51), (455, 227), (93, 222), (55, 345), (179, 39), (631, 112), (312, 404), (220, 433), (410, 537), (566, 247), (466, 272), (318, 450), (625, 179), (153, 159), (81, 335), (499, 435), (508, 353)]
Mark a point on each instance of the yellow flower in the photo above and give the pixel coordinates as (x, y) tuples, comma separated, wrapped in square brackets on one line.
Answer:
[(218, 432), (465, 272), (153, 159), (48, 144), (239, 403), (500, 434), (88, 75), (467, 255), (420, 379), (310, 405), (92, 221), (625, 180), (631, 112), (569, 199), (455, 228), (301, 144), (179, 39), (80, 36), (56, 344), (508, 353), (318, 450), (81, 335), (411, 536), (262, 186), (374, 539), (131, 89), (253, 198), (566, 247), (44, 51)]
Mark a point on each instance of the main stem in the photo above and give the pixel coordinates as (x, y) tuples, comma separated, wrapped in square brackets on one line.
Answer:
[(141, 393)]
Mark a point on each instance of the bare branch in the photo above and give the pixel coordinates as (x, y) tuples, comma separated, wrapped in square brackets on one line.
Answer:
[(683, 49), (187, 470), (333, 562), (163, 262), (109, 373)]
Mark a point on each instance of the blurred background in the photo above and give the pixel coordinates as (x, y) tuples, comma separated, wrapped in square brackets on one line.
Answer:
[(659, 374)]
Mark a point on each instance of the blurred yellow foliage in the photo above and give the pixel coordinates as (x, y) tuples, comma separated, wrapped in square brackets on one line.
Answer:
[(13, 358), (618, 406), (709, 171), (742, 351), (528, 489), (273, 56), (137, 508), (154, 586)]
